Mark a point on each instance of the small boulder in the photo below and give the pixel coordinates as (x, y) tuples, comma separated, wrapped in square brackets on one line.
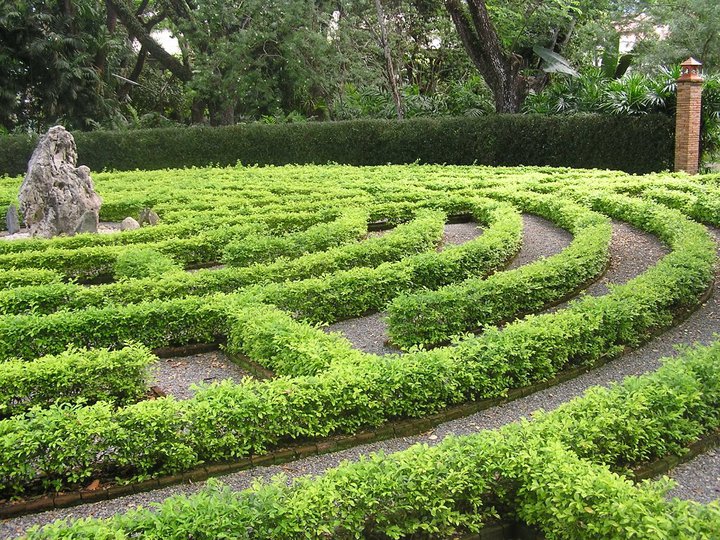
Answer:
[(12, 221), (57, 197), (129, 224), (88, 223), (148, 216)]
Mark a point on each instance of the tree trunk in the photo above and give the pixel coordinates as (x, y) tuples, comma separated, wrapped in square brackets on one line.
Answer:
[(227, 115), (134, 27), (510, 94), (500, 69), (389, 65), (197, 111)]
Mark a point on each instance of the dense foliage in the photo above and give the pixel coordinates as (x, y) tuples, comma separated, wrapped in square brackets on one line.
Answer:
[(637, 145), (126, 64), (323, 269)]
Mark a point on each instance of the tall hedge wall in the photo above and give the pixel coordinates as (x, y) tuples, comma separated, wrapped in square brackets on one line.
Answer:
[(637, 145)]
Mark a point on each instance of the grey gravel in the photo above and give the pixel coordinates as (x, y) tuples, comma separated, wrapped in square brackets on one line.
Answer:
[(175, 376), (368, 334), (459, 233), (699, 327), (540, 238), (699, 479), (632, 252)]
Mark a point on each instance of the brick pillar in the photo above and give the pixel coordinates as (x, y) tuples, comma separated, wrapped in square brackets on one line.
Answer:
[(687, 118)]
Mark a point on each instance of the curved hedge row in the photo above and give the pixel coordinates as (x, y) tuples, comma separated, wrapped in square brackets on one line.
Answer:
[(227, 420), (433, 317), (14, 277), (359, 291), (417, 236), (352, 225), (538, 472)]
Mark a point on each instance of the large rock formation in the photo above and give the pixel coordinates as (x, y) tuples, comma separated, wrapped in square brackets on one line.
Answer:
[(57, 197)]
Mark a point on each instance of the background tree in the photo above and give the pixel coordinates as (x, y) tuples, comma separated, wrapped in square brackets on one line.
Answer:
[(57, 61), (507, 41)]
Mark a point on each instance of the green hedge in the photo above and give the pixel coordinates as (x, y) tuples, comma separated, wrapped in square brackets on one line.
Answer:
[(229, 420), (262, 248), (417, 236), (534, 471), (433, 317), (119, 377), (636, 145), (359, 291), (21, 277)]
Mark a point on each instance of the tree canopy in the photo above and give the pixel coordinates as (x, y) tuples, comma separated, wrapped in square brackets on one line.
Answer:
[(90, 64)]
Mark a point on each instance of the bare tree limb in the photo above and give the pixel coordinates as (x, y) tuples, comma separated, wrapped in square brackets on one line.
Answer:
[(136, 28)]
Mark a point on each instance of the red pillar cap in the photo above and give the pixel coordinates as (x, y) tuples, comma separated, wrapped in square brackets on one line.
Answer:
[(690, 70)]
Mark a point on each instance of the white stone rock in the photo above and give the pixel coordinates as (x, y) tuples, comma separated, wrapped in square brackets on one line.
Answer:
[(129, 224), (57, 197)]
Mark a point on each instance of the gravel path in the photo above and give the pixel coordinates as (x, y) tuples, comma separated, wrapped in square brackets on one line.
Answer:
[(700, 326), (459, 233), (367, 333), (175, 376), (632, 252), (698, 479), (540, 238)]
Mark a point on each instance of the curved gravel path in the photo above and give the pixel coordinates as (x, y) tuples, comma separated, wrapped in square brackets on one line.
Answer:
[(698, 479), (175, 376), (700, 326), (540, 239)]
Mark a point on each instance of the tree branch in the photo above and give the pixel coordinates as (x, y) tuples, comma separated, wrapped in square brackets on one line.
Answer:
[(135, 27)]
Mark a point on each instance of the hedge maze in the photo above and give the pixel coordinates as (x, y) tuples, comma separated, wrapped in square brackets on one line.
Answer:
[(275, 252)]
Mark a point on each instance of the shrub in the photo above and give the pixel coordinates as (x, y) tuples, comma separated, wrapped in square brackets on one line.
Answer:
[(637, 145), (143, 263), (77, 374)]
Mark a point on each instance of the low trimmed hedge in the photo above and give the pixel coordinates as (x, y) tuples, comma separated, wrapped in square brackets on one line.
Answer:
[(99, 260), (21, 277), (534, 471), (360, 291), (119, 377), (273, 339), (195, 319), (226, 420), (184, 225), (433, 317), (257, 248), (637, 145), (416, 236)]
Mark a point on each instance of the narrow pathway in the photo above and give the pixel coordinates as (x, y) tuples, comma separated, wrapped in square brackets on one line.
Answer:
[(632, 252), (700, 327), (175, 376), (540, 239), (699, 479)]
